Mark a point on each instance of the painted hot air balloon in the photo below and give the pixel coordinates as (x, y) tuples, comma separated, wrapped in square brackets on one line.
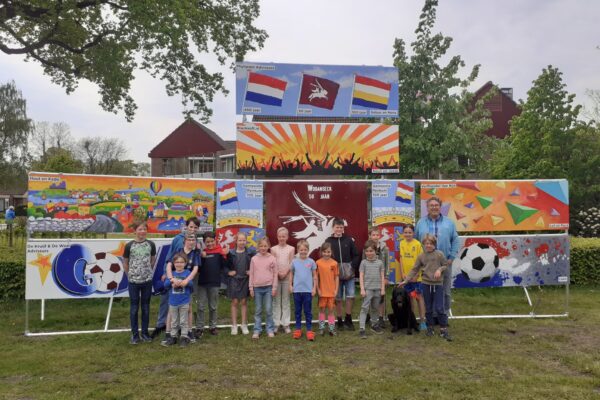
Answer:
[(156, 187)]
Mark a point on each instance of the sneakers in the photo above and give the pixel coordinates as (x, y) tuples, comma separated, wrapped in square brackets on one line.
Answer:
[(377, 329), (444, 334), (422, 326), (430, 331), (310, 336), (213, 331), (287, 330), (271, 335), (381, 323), (145, 338), (348, 323), (339, 324), (245, 330), (169, 341), (191, 337), (332, 332), (157, 331), (135, 339), (322, 331), (234, 330), (184, 341), (255, 336), (297, 334), (362, 334), (199, 333)]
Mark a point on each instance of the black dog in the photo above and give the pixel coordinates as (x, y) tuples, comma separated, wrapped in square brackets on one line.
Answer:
[(403, 316)]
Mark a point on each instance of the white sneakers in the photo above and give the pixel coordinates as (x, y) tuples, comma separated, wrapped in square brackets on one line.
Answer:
[(234, 330), (245, 330)]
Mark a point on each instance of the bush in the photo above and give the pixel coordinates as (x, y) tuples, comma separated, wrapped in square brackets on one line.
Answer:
[(585, 261), (587, 223), (12, 279)]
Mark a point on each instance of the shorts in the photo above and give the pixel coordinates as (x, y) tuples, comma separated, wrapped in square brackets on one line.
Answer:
[(326, 302), (413, 287), (346, 287)]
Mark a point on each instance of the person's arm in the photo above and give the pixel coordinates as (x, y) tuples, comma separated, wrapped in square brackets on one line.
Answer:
[(354, 255), (126, 254), (443, 265), (413, 272), (454, 245), (251, 277), (381, 271), (230, 265), (152, 254), (317, 281), (402, 277), (315, 278), (337, 278), (386, 263), (275, 277), (291, 280), (361, 275)]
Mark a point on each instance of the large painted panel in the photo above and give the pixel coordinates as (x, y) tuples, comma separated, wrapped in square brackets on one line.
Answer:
[(307, 209), (477, 206), (97, 203), (502, 261), (316, 90), (239, 209), (68, 269), (316, 149)]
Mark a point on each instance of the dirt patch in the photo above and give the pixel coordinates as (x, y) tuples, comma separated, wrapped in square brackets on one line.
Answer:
[(15, 379), (104, 377)]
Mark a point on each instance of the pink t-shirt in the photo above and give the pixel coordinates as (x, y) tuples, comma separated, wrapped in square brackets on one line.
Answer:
[(263, 271), (283, 256)]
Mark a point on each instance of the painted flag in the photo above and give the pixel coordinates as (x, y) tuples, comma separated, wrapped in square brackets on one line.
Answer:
[(404, 193), (318, 92), (227, 194), (370, 93), (265, 89)]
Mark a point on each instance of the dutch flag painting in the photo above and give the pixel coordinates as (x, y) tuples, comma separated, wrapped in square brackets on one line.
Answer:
[(404, 193), (227, 193), (264, 89)]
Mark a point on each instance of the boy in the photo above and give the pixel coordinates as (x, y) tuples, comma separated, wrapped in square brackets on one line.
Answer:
[(347, 256), (180, 296), (383, 254), (209, 281), (371, 286)]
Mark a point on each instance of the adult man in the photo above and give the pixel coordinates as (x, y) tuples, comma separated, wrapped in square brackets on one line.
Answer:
[(344, 252), (443, 228)]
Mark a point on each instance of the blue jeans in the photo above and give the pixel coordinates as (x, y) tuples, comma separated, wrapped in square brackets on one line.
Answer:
[(346, 287), (139, 293), (303, 301), (263, 297), (434, 302), (163, 310)]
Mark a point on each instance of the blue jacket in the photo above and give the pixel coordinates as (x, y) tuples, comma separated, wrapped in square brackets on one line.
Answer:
[(447, 237), (176, 247), (10, 215), (179, 296)]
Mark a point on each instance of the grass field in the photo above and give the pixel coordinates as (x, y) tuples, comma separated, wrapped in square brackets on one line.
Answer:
[(555, 358)]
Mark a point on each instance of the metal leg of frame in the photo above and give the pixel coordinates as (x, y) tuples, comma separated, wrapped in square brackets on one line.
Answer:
[(110, 303)]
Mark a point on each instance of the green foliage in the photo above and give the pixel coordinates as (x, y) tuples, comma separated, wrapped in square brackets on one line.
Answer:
[(585, 261), (586, 223), (548, 141), (438, 119), (58, 160), (105, 41), (12, 279)]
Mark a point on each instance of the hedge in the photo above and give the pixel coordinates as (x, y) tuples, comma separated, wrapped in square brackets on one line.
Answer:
[(585, 267)]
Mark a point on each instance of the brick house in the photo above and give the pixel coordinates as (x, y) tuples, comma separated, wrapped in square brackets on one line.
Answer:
[(502, 107)]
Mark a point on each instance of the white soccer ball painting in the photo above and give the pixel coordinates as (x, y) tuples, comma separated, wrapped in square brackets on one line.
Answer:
[(478, 262), (105, 272)]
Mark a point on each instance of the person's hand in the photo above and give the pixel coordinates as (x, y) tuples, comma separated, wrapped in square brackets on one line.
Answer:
[(402, 283), (386, 281), (383, 291), (231, 273), (363, 292), (163, 277), (274, 292), (251, 292), (291, 289), (203, 253), (437, 274), (313, 292)]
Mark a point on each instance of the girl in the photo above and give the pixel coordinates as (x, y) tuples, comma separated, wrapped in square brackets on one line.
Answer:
[(284, 254), (433, 263), (303, 284), (384, 255), (327, 287), (263, 286), (372, 286), (410, 248), (238, 264), (138, 259)]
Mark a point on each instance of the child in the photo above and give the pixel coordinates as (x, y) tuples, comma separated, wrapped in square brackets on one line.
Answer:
[(327, 287), (410, 248), (238, 263), (284, 254), (263, 286), (303, 283), (347, 256), (384, 255), (433, 263), (138, 259), (371, 286), (180, 288), (209, 281), (192, 254)]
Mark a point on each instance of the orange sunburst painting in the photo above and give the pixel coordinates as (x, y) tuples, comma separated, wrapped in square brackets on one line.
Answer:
[(317, 149)]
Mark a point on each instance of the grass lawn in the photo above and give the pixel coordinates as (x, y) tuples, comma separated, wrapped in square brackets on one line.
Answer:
[(555, 358)]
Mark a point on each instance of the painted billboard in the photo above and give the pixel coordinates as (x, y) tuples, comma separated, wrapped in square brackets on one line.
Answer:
[(316, 149), (98, 203), (502, 261), (392, 207), (83, 268), (477, 206), (316, 90), (239, 209), (308, 209)]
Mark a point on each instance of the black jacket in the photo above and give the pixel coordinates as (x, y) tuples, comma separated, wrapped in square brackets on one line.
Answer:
[(344, 250)]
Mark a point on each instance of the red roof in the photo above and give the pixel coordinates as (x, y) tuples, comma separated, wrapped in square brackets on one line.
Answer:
[(502, 107), (189, 139)]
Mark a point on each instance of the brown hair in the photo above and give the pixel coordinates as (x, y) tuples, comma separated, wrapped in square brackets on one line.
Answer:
[(182, 255), (430, 238), (371, 244)]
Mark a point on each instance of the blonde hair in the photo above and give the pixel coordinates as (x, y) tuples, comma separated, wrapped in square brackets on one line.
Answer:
[(302, 243), (283, 229), (430, 238), (263, 239)]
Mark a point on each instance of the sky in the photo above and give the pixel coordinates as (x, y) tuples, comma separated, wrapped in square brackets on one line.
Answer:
[(513, 40)]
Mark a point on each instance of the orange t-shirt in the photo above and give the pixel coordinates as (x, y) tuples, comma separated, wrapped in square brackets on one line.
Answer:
[(328, 273)]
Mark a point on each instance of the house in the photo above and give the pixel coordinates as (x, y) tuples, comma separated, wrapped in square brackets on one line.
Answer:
[(502, 108), (193, 150)]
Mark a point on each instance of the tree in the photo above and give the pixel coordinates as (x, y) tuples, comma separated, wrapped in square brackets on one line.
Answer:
[(438, 121), (46, 135), (104, 156), (141, 169), (105, 41), (15, 127), (58, 160), (548, 141)]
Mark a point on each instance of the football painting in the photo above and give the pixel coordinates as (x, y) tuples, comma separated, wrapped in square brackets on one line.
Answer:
[(527, 260)]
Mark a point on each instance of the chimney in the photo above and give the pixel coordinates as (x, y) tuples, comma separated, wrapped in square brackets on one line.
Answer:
[(507, 91)]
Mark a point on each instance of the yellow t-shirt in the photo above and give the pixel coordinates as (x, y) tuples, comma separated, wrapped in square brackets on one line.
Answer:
[(409, 253)]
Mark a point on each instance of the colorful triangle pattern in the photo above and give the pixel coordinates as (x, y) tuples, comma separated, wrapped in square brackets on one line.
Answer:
[(485, 201), (519, 213), (558, 189)]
